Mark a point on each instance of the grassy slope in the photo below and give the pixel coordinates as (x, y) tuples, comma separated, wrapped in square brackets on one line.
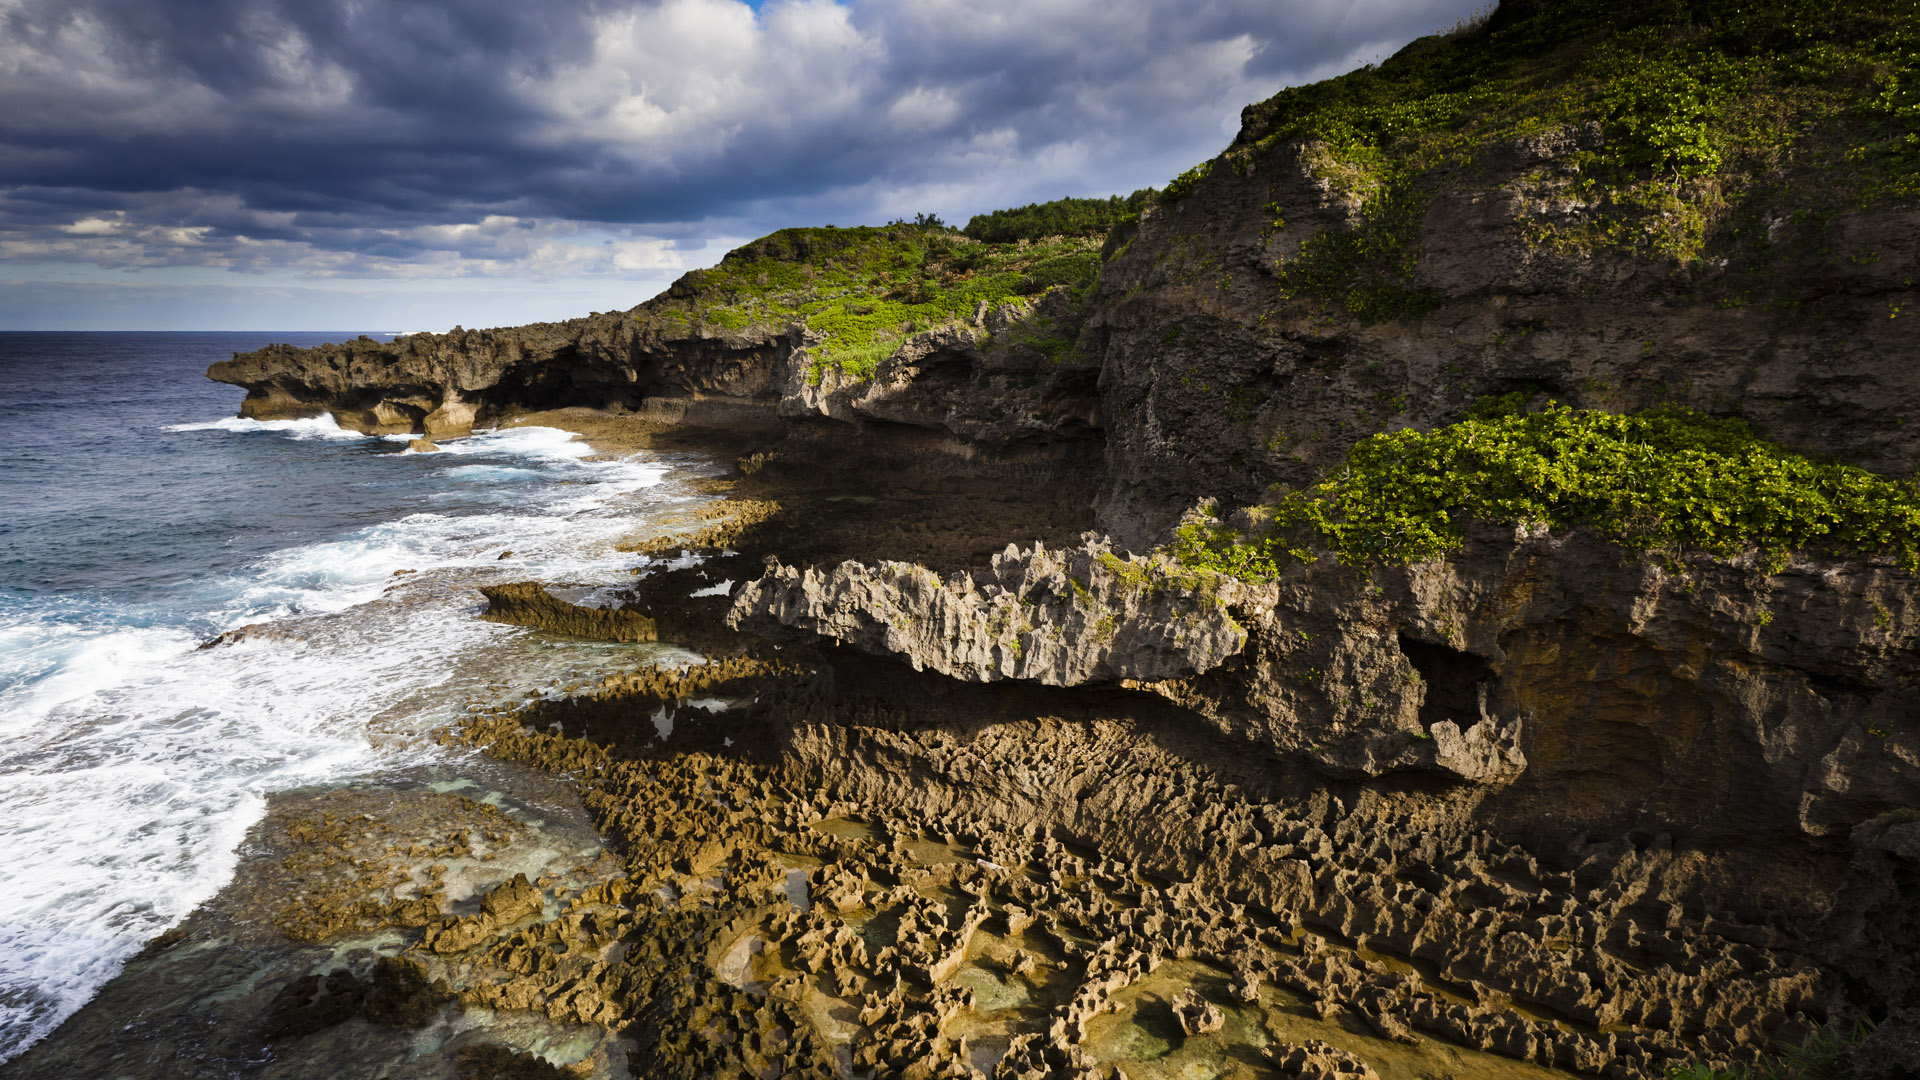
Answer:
[(1706, 122), (867, 289)]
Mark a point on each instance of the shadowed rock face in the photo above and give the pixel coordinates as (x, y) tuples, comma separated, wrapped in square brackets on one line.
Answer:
[(1213, 383), (1754, 714), (443, 384)]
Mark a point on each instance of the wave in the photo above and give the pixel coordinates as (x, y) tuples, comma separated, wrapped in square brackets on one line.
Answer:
[(546, 443), (312, 427), (134, 762), (46, 667)]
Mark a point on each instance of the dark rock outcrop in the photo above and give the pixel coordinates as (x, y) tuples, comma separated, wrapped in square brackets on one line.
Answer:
[(528, 603), (1214, 384), (443, 384)]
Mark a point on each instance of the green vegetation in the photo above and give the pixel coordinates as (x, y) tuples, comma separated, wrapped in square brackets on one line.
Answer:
[(1821, 1056), (867, 289), (1181, 186), (1685, 127), (1061, 217), (1664, 479)]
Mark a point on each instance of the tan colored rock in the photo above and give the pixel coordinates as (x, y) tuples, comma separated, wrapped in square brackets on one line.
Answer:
[(1195, 1014), (454, 417), (1062, 618)]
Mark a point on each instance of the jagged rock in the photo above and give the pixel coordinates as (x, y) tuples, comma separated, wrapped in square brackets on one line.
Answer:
[(838, 889), (527, 603), (506, 904), (1062, 618), (1315, 1060), (1195, 1014), (514, 900)]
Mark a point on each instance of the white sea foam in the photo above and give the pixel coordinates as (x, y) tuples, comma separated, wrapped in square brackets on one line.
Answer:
[(312, 427), (491, 474), (534, 442), (133, 763), (76, 664)]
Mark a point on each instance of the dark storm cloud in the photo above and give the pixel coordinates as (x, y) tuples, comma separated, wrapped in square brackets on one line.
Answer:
[(497, 136)]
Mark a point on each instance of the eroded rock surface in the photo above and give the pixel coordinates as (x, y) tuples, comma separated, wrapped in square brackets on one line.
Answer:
[(1062, 618)]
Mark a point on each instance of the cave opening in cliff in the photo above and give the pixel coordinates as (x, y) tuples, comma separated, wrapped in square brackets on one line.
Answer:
[(1455, 681)]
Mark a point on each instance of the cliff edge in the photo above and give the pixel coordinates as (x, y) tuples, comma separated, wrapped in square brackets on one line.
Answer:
[(1508, 556)]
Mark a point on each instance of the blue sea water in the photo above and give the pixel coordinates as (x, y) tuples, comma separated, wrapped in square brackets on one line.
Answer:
[(139, 519)]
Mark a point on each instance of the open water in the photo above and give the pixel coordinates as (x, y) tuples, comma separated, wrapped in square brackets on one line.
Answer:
[(139, 519)]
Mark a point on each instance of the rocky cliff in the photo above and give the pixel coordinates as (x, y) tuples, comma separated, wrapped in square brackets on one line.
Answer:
[(899, 329), (1642, 785)]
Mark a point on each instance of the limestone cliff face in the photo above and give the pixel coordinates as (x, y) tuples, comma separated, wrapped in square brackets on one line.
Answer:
[(1056, 618), (977, 382), (443, 384), (1213, 383), (1754, 715), (970, 387), (1711, 734)]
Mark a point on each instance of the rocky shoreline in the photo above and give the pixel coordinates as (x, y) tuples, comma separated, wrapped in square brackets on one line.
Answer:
[(908, 821), (995, 768)]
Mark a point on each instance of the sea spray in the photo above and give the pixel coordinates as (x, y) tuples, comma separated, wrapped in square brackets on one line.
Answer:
[(132, 760)]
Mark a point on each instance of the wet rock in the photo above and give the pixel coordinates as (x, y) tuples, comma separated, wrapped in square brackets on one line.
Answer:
[(249, 632), (400, 994), (511, 901), (422, 445), (492, 1061), (312, 1003), (527, 603)]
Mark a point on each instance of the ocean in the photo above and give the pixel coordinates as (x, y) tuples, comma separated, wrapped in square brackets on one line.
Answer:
[(139, 520)]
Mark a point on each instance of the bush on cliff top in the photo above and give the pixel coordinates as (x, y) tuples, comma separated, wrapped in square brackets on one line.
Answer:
[(1697, 123), (1666, 479), (1061, 217), (866, 289)]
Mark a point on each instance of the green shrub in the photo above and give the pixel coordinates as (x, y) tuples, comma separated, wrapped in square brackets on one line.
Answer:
[(1695, 111), (1665, 479), (1061, 217), (1181, 186)]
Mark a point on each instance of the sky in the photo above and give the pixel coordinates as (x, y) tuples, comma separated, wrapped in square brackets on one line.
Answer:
[(408, 165)]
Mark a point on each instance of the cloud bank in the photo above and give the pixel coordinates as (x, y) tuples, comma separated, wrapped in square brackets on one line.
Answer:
[(301, 142)]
